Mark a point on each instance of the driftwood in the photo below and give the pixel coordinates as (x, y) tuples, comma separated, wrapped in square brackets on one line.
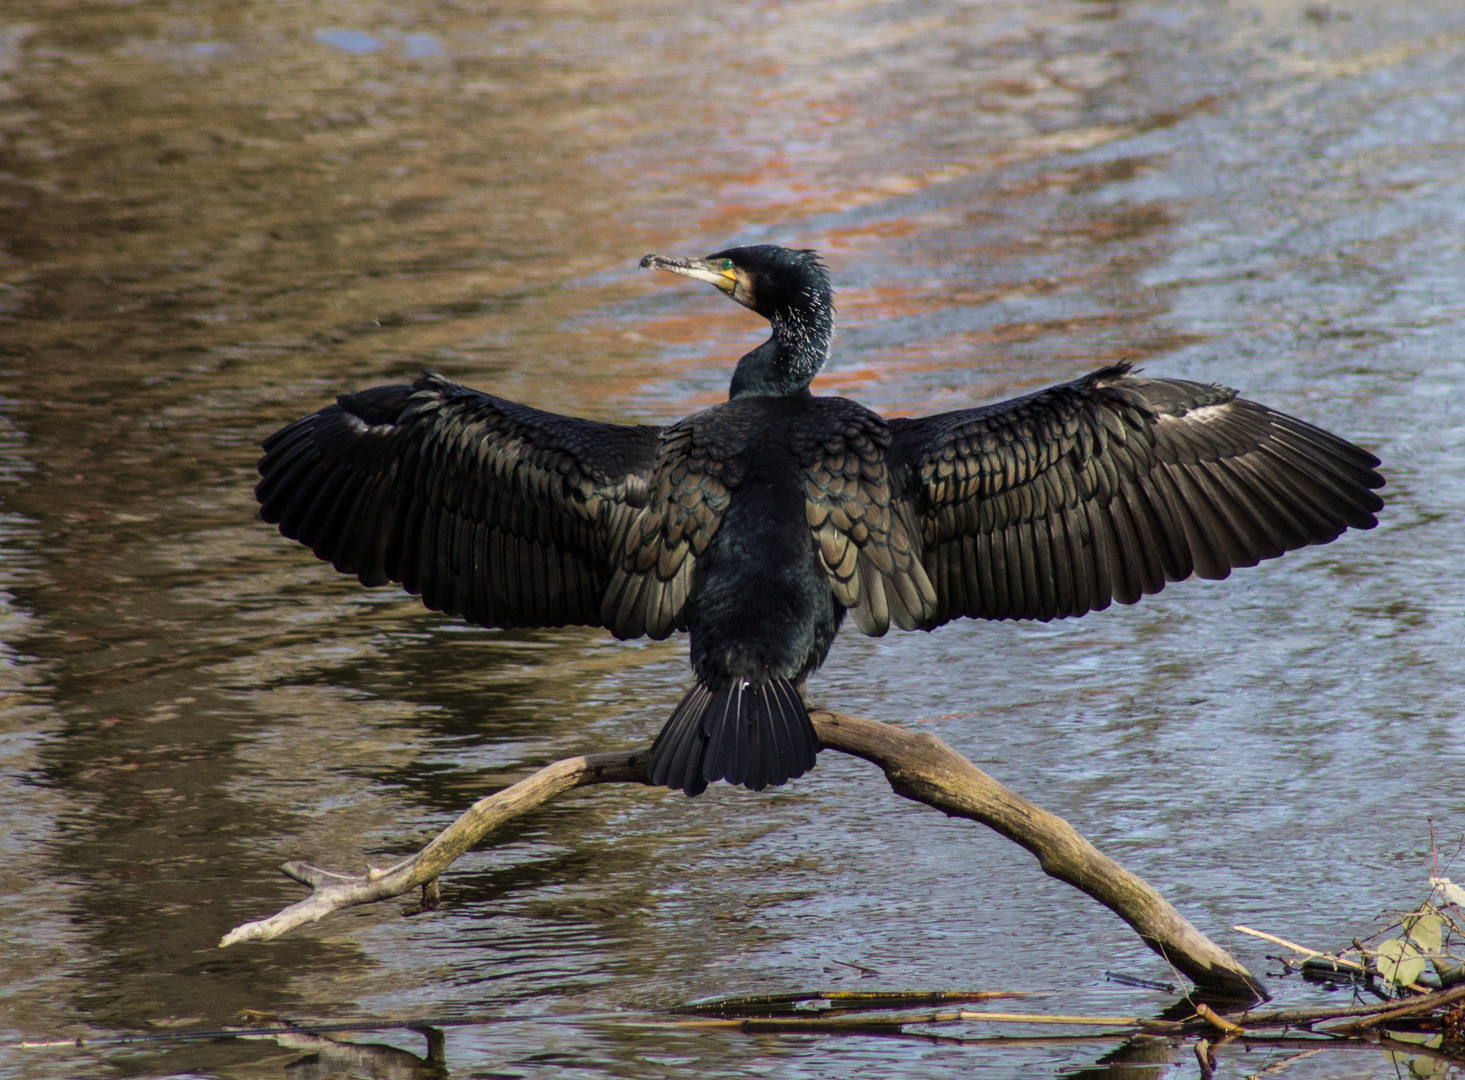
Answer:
[(895, 1022), (895, 1011), (918, 766)]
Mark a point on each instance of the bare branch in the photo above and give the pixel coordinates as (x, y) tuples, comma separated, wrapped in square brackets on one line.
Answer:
[(922, 767), (335, 891), (1415, 1007), (917, 765)]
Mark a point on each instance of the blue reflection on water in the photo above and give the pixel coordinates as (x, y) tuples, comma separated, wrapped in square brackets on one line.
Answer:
[(352, 41), (421, 46)]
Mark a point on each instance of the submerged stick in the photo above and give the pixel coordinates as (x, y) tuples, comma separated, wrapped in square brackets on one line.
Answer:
[(1363, 1016), (866, 1022), (844, 1000), (918, 766), (1068, 1018), (1423, 1004)]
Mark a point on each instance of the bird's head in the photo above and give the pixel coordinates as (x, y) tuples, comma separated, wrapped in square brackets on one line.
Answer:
[(790, 289), (765, 278)]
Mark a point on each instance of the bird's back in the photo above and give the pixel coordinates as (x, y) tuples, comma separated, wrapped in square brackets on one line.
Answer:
[(761, 602), (761, 599)]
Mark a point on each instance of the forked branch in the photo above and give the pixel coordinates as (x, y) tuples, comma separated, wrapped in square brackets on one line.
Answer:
[(332, 891), (918, 766)]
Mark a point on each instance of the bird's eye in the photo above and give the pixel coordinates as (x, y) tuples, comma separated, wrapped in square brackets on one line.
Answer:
[(727, 264)]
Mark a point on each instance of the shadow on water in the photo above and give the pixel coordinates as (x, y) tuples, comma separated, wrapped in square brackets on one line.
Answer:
[(214, 218)]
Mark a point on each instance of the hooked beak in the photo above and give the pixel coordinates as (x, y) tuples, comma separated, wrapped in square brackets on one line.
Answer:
[(700, 269)]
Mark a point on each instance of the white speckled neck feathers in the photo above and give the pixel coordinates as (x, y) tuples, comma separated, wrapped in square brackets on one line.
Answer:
[(801, 314)]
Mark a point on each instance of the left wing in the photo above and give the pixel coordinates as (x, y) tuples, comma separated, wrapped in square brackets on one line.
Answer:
[(1054, 504)]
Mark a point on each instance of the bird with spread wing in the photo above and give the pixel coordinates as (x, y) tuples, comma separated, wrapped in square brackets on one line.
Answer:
[(757, 525)]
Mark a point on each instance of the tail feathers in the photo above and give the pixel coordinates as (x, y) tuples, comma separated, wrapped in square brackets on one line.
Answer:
[(756, 736)]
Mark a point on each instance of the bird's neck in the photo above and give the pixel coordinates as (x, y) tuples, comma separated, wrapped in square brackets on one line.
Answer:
[(787, 362)]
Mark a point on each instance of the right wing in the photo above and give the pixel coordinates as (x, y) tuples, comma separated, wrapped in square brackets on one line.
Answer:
[(503, 514)]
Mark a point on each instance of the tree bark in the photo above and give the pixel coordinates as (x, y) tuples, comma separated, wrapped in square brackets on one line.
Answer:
[(917, 765)]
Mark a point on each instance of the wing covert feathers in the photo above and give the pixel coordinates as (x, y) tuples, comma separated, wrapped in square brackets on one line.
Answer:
[(1105, 488), (867, 539), (688, 493), (505, 515)]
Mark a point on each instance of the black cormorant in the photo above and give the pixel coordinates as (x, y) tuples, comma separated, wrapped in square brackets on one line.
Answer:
[(757, 524)]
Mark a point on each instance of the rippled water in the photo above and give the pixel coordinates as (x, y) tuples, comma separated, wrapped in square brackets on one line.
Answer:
[(216, 216)]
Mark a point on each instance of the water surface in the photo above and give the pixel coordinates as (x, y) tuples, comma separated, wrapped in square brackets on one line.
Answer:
[(214, 217)]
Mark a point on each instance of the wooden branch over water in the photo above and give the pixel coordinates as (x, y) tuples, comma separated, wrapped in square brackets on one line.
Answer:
[(918, 765), (922, 767), (335, 891)]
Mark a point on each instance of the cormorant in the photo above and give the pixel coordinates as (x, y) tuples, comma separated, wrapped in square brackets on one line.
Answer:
[(757, 524)]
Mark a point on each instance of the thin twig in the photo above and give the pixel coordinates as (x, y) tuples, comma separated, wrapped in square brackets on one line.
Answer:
[(1143, 1022), (1303, 949)]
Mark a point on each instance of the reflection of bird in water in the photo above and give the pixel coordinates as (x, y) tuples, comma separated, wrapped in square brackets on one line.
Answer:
[(759, 523)]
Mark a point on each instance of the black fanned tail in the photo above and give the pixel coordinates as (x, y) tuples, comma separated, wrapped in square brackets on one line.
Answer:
[(756, 736)]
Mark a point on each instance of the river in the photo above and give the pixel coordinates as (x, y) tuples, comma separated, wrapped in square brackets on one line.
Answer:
[(216, 216)]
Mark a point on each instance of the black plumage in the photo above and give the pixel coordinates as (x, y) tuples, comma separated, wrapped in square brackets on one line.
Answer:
[(757, 524)]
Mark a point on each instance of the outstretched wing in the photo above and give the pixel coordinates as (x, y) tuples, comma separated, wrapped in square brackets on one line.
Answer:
[(1105, 488), (503, 514)]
